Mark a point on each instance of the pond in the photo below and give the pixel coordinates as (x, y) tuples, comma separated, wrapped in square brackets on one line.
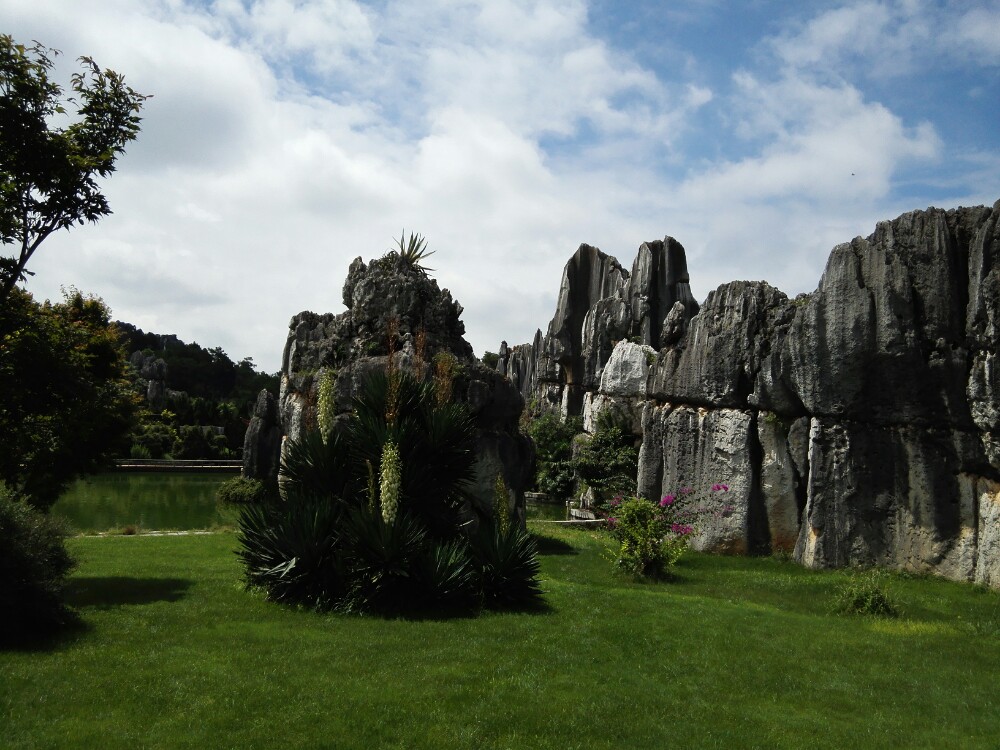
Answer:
[(171, 500), (147, 500)]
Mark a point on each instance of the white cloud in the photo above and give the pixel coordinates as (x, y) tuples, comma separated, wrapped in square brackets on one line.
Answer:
[(285, 138), (895, 38)]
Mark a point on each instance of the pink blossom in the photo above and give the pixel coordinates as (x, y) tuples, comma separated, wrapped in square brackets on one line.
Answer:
[(667, 500), (720, 488), (686, 490)]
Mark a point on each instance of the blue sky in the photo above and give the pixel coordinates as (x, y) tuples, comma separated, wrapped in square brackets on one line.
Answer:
[(287, 137)]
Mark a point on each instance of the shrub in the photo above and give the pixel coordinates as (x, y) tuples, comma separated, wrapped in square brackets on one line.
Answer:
[(290, 550), (553, 440), (866, 593), (371, 519), (607, 461), (241, 490), (139, 452), (507, 567), (651, 536), (34, 564)]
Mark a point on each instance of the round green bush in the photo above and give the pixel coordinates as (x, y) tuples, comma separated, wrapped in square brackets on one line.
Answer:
[(34, 563), (241, 491)]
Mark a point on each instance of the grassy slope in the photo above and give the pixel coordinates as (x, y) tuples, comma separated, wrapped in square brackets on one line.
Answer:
[(737, 653)]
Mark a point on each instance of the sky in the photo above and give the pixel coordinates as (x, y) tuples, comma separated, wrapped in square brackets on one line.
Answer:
[(287, 137)]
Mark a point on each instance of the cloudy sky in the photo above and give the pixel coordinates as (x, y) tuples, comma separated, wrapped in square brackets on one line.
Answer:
[(287, 137)]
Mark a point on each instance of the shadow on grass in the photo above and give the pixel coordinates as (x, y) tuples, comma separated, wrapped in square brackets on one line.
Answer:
[(548, 545), (48, 636), (116, 591)]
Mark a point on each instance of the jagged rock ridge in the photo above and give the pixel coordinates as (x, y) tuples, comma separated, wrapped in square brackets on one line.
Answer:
[(390, 298), (856, 425)]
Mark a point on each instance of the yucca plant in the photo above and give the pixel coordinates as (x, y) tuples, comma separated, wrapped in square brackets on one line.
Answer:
[(381, 558), (317, 465), (446, 578), (329, 543), (293, 551), (507, 567), (435, 444), (413, 251)]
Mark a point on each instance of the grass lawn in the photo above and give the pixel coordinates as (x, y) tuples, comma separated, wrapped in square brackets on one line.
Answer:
[(736, 653)]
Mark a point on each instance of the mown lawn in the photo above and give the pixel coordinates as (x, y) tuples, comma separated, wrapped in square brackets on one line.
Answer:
[(735, 653)]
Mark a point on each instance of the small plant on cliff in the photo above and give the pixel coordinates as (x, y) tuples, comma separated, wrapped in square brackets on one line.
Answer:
[(413, 251)]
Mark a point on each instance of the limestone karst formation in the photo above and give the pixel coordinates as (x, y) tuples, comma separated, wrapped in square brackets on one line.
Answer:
[(390, 299), (859, 424)]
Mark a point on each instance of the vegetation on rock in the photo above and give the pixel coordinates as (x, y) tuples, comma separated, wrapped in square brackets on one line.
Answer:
[(553, 440), (377, 518)]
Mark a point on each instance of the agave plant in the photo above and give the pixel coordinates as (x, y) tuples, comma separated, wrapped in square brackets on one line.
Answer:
[(293, 550), (413, 251), (507, 565)]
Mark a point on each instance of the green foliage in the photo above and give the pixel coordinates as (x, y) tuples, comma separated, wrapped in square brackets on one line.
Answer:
[(34, 564), (48, 174), (330, 545), (607, 461), (66, 404), (154, 436), (651, 536), (435, 443), (413, 251), (196, 442), (205, 387), (290, 550), (316, 467), (553, 440), (242, 491), (139, 452), (866, 593), (490, 360), (507, 567)]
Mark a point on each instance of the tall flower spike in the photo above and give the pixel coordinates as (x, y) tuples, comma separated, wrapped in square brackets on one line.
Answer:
[(390, 481), (326, 405), (501, 505)]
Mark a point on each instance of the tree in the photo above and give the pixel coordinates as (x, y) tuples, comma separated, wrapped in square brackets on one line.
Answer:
[(48, 173), (66, 403)]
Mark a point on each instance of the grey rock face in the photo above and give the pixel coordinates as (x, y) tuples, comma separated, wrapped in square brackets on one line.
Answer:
[(262, 442), (599, 305), (859, 424), (152, 370)]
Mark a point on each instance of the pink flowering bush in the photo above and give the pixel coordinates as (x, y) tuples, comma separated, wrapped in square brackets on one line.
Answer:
[(652, 536)]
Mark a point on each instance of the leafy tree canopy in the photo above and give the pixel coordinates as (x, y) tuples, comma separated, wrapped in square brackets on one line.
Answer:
[(66, 402), (48, 172)]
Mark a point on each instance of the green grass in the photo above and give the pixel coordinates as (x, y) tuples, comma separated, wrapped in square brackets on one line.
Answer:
[(734, 653)]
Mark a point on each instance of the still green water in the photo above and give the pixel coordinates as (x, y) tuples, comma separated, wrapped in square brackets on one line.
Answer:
[(169, 500), (148, 500)]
